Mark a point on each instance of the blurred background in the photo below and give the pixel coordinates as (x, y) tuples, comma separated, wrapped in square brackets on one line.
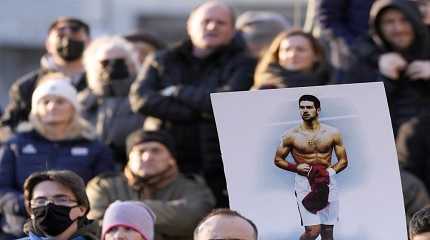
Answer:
[(24, 24)]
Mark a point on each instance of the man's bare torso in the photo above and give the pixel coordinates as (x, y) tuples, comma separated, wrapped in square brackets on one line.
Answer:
[(311, 146)]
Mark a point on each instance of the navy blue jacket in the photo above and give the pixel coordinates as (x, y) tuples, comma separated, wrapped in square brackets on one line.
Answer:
[(30, 152), (32, 236), (347, 19)]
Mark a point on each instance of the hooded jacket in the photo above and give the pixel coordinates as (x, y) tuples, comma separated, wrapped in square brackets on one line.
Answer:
[(406, 98), (186, 111)]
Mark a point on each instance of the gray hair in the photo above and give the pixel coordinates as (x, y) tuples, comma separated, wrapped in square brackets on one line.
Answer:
[(107, 43)]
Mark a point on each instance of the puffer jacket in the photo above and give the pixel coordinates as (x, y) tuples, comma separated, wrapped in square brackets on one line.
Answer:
[(179, 205), (186, 113), (29, 152)]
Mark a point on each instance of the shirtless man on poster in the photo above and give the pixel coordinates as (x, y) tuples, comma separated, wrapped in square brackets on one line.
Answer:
[(311, 145)]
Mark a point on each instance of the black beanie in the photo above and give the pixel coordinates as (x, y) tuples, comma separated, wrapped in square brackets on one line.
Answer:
[(141, 136)]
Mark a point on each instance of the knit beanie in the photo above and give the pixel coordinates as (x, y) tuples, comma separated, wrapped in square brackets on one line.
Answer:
[(132, 214), (58, 87), (142, 136)]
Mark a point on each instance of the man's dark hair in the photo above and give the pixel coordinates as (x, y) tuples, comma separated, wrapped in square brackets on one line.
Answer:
[(311, 98), (420, 222), (70, 20), (66, 178), (225, 212)]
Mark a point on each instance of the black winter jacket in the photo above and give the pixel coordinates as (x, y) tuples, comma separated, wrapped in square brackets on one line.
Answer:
[(187, 113), (185, 108)]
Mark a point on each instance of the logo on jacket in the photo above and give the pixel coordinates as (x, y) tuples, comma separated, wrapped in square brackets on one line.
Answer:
[(79, 151), (29, 149)]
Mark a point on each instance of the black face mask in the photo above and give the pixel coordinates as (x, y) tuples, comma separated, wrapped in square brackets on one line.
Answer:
[(51, 220), (114, 69), (69, 49), (115, 79)]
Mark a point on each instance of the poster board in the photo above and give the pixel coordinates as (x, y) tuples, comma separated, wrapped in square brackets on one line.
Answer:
[(250, 127)]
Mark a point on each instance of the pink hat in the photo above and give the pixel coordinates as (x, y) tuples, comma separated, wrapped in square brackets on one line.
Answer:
[(132, 214)]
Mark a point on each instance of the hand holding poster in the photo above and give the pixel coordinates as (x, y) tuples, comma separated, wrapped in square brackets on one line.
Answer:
[(314, 161)]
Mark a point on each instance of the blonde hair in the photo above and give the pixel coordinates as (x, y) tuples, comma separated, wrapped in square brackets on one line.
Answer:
[(78, 126)]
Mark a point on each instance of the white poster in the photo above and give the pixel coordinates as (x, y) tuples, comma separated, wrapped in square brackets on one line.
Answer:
[(336, 167)]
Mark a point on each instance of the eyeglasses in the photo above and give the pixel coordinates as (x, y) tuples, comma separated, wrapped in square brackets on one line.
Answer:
[(61, 200)]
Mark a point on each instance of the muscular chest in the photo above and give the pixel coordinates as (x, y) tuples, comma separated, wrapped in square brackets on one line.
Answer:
[(311, 143)]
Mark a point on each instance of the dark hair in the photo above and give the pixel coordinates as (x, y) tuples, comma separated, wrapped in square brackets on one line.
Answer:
[(72, 20), (145, 38), (66, 178), (225, 212), (420, 222), (311, 98)]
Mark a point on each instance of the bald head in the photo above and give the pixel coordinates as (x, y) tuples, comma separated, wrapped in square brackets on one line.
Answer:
[(225, 224), (215, 3), (211, 25)]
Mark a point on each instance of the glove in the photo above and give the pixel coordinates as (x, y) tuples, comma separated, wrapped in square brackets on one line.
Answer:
[(419, 70), (391, 65)]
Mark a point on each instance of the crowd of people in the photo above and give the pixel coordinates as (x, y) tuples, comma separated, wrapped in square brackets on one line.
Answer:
[(114, 137)]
